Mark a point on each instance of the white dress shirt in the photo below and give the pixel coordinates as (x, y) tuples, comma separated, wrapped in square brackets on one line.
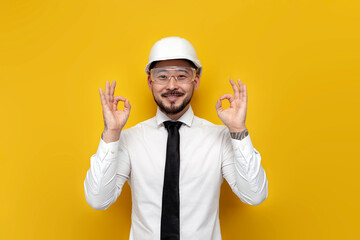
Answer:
[(207, 155)]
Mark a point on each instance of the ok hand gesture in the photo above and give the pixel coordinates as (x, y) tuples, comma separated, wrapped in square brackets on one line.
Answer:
[(234, 116), (114, 119)]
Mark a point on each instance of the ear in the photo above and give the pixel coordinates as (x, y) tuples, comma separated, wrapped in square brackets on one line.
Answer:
[(197, 81), (149, 82)]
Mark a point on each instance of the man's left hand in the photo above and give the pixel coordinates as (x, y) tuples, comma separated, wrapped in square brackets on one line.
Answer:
[(234, 116)]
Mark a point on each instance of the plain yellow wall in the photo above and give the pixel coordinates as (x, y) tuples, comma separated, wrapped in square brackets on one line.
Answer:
[(299, 60)]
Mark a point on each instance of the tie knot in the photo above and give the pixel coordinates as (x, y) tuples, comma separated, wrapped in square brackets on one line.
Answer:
[(171, 124)]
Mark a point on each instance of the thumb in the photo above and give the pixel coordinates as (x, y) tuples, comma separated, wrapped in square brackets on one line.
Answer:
[(116, 101)]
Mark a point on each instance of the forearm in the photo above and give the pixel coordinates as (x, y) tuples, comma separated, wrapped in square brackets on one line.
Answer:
[(241, 167), (103, 183), (251, 181), (109, 136)]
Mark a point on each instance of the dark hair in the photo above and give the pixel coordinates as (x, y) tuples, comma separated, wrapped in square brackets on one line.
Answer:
[(152, 65)]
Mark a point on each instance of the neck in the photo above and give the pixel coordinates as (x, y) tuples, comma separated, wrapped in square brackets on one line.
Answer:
[(176, 116)]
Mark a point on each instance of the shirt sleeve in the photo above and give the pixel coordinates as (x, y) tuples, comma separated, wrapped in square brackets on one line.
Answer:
[(241, 167), (109, 170)]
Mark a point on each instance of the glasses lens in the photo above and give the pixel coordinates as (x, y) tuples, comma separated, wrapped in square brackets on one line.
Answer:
[(181, 74)]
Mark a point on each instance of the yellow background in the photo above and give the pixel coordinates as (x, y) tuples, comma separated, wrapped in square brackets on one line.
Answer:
[(299, 60)]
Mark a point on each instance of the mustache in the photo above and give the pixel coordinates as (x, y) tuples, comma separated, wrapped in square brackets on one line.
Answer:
[(169, 93)]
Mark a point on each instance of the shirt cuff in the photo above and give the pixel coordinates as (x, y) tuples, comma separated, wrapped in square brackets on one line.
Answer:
[(108, 150), (243, 146)]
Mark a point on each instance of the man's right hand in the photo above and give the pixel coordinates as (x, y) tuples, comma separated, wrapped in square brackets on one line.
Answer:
[(114, 119)]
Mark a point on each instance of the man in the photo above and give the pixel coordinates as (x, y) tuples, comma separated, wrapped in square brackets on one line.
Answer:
[(175, 162)]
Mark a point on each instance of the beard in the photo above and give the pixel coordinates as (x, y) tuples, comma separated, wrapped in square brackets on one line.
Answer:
[(172, 110)]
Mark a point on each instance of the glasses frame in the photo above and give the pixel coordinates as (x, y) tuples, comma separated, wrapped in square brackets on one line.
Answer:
[(172, 75)]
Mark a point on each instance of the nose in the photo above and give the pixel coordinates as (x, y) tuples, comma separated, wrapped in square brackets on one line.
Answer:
[(172, 84)]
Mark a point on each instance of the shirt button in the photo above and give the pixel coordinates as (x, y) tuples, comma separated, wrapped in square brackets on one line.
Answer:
[(243, 148), (236, 148), (112, 151)]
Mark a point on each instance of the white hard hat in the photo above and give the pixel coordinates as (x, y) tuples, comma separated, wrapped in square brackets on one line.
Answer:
[(173, 48)]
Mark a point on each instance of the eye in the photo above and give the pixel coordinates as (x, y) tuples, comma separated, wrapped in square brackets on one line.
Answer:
[(182, 76), (161, 77)]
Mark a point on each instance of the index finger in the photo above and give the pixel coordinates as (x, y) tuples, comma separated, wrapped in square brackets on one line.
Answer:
[(235, 88)]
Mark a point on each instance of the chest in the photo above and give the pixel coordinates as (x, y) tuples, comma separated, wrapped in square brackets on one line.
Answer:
[(200, 156)]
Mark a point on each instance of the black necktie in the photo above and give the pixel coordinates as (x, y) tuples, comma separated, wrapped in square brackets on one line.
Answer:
[(170, 222)]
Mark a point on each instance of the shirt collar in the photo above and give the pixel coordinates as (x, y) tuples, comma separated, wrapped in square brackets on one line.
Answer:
[(186, 118)]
